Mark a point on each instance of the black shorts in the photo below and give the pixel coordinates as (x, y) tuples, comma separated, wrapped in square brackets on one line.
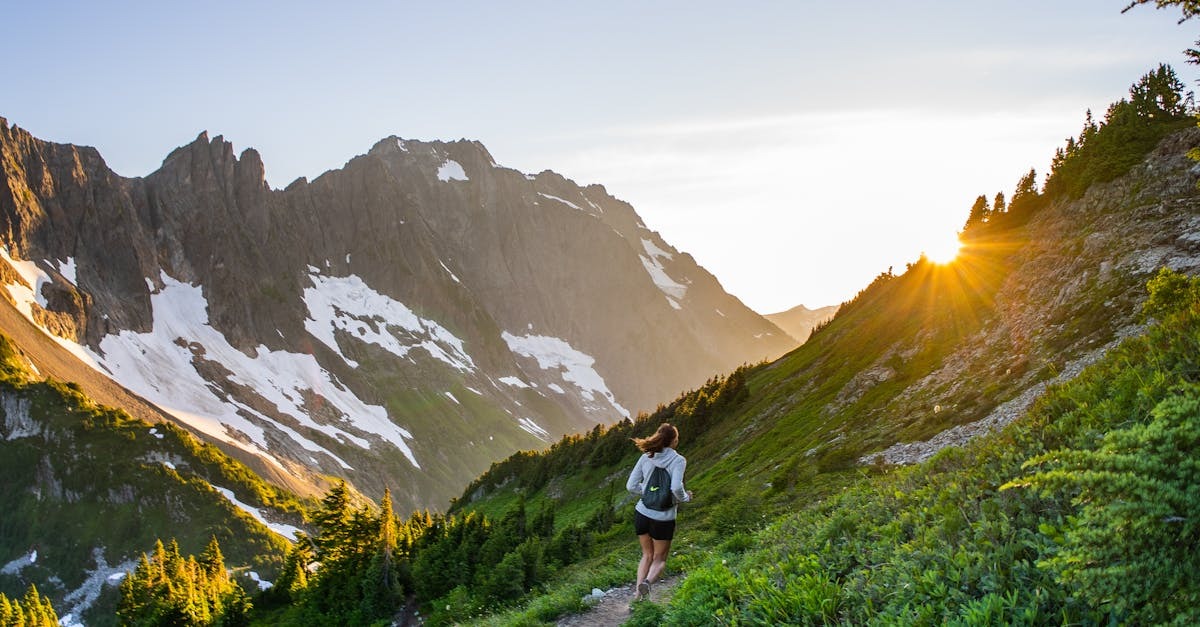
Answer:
[(658, 529)]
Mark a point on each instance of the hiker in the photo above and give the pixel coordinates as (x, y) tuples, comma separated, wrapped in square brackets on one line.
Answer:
[(654, 520)]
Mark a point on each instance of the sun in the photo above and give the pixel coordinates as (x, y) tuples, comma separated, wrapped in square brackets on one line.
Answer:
[(943, 250)]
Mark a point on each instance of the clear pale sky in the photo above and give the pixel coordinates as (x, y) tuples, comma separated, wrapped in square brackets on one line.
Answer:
[(796, 149)]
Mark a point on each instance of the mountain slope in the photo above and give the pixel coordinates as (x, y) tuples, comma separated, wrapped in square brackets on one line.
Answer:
[(799, 321), (89, 488), (400, 322), (1034, 298)]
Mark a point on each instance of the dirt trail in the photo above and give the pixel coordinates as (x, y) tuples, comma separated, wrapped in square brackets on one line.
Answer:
[(613, 609)]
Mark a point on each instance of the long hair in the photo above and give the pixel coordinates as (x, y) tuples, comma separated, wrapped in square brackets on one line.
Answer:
[(664, 437)]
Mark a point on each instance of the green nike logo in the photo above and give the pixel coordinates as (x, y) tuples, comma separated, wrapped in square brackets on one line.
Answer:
[(654, 488)]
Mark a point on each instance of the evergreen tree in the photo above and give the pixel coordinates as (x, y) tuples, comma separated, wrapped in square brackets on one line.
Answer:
[(293, 577), (334, 521), (1190, 8), (1131, 128), (978, 214), (32, 610), (1086, 135), (1026, 199), (998, 206), (213, 561), (169, 589)]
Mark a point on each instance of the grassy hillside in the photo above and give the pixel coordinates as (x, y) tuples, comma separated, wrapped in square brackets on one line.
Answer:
[(790, 524), (88, 488), (793, 522), (1080, 513)]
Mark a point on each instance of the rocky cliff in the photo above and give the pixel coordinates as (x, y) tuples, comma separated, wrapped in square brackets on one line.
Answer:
[(402, 321)]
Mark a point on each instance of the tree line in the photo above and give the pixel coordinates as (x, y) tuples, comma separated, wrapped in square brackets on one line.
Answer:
[(1158, 104)]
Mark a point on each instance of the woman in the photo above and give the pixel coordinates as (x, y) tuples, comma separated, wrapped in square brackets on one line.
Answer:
[(656, 527)]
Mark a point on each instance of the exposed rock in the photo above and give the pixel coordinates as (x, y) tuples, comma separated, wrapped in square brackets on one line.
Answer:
[(1002, 415), (1071, 286), (16, 421)]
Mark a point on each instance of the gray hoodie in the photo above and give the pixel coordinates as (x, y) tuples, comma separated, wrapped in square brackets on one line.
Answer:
[(675, 465)]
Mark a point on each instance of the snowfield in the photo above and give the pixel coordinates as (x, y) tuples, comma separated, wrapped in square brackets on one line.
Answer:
[(162, 366), (350, 305), (575, 367)]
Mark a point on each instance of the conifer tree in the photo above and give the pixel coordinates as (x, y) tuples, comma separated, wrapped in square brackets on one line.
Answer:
[(998, 206), (32, 610), (978, 214), (334, 522), (167, 588), (293, 577)]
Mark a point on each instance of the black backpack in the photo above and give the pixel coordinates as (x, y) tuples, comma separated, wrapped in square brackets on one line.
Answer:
[(657, 493)]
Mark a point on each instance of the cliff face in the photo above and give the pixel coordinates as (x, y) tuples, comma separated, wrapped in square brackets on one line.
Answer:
[(402, 321)]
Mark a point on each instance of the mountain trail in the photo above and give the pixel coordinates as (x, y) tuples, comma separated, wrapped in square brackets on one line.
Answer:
[(613, 608)]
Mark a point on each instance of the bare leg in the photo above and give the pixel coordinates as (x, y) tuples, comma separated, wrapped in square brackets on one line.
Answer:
[(658, 558), (647, 559)]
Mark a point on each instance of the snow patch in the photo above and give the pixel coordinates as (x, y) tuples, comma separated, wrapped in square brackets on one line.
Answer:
[(654, 267), (68, 270), (25, 295), (16, 565), (451, 397), (720, 313), (593, 205), (531, 427), (574, 366), (563, 201), (448, 271), (349, 304), (287, 531), (262, 584), (451, 170), (515, 382), (556, 388)]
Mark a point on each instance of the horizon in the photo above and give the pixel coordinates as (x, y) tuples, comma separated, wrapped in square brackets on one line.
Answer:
[(796, 152)]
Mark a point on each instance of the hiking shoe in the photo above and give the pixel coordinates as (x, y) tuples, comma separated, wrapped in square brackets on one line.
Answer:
[(643, 590)]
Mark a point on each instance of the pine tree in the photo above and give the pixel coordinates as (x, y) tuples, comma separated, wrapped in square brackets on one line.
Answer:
[(1086, 135), (293, 577), (213, 561), (32, 610), (167, 588), (334, 522), (1026, 199), (998, 206), (978, 214)]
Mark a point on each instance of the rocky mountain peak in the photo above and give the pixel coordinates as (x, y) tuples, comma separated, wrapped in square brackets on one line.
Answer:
[(369, 322)]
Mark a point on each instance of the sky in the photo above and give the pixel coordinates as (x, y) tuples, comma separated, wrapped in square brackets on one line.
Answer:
[(795, 149)]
